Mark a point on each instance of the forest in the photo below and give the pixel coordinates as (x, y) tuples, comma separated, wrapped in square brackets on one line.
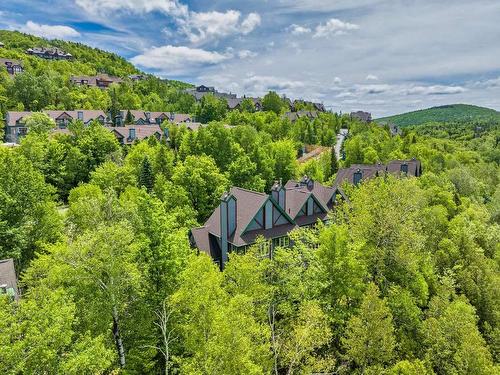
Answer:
[(404, 279)]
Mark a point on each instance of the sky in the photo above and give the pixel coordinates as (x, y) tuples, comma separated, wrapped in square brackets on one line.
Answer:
[(382, 56)]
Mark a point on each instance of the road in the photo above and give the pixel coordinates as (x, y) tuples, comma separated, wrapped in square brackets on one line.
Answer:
[(340, 139)]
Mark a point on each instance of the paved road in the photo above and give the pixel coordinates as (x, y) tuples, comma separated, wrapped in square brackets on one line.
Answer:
[(340, 139)]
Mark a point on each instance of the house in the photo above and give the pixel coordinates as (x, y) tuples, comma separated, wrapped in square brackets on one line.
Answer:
[(12, 66), (137, 77), (241, 217), (301, 103), (244, 215), (8, 279), (294, 116), (362, 116), (49, 53), (16, 128), (200, 91), (150, 118), (103, 81), (357, 173), (127, 135)]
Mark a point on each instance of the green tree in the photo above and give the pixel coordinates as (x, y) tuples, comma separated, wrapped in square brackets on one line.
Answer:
[(210, 109), (39, 123), (100, 269), (216, 326), (146, 178), (203, 182), (38, 335), (370, 337), (247, 105), (285, 163), (129, 119), (454, 344), (272, 102)]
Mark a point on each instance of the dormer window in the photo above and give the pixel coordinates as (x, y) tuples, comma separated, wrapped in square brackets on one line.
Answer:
[(404, 168), (358, 175), (131, 133), (80, 115)]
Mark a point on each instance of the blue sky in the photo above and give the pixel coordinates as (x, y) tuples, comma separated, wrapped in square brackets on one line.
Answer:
[(384, 56)]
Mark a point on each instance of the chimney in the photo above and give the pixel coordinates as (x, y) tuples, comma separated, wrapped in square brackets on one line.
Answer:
[(278, 193), (148, 116), (227, 224)]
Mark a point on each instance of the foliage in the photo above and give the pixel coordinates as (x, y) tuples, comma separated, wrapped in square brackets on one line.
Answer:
[(443, 114)]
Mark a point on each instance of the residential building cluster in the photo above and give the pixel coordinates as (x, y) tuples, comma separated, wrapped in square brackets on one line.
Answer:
[(49, 53), (244, 215), (143, 124), (234, 102)]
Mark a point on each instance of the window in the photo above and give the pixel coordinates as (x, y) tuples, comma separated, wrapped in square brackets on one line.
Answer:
[(357, 177), (265, 248), (281, 242), (22, 131), (404, 168)]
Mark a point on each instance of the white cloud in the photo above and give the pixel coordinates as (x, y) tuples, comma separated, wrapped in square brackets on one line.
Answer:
[(177, 60), (435, 90), (246, 54), (334, 26), (250, 23), (373, 89), (371, 77), (298, 30), (262, 84), (106, 7), (49, 31), (337, 80), (201, 27)]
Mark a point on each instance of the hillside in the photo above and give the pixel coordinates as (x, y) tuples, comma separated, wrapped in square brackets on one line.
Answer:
[(445, 113), (87, 60), (45, 84)]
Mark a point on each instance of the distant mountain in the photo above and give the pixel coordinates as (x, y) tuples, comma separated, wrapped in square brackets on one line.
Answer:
[(445, 113)]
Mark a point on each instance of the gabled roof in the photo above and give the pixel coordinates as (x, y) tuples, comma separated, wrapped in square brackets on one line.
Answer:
[(249, 204), (141, 132), (321, 192), (4, 62), (414, 167), (88, 115)]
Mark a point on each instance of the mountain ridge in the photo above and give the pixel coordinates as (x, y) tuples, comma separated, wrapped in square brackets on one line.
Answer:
[(443, 113)]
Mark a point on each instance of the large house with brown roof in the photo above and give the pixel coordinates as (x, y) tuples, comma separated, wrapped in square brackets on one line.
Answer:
[(102, 81), (8, 279), (244, 215), (12, 66)]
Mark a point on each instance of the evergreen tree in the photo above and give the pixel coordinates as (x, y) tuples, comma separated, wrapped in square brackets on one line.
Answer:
[(129, 119), (334, 164), (146, 178)]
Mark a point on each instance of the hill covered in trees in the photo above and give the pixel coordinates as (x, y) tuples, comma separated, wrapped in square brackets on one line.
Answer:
[(445, 113), (45, 84)]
